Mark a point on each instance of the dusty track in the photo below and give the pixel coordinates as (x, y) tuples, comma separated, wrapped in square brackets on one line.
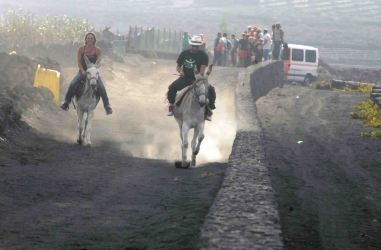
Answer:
[(124, 192)]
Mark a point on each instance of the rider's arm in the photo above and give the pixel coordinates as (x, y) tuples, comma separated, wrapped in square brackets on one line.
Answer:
[(179, 63), (79, 58), (179, 69), (99, 54)]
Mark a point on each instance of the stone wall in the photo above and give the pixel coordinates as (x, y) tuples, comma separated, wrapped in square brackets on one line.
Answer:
[(244, 214)]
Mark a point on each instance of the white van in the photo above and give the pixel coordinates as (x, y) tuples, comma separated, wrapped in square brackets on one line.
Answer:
[(300, 63)]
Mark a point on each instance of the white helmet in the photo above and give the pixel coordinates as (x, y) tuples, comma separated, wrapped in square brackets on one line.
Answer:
[(196, 41)]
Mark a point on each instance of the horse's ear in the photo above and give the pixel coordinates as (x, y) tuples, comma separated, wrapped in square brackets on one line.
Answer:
[(87, 61), (209, 69), (98, 62)]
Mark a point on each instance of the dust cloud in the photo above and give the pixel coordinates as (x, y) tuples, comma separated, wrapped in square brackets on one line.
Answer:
[(139, 125)]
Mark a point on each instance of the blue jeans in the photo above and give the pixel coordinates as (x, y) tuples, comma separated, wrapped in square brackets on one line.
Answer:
[(266, 54), (75, 84)]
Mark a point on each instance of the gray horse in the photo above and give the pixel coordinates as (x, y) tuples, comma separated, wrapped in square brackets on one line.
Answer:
[(189, 112), (86, 102)]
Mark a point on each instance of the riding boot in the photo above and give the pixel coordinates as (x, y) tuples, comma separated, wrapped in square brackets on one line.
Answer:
[(65, 106), (71, 91), (170, 110), (108, 109), (208, 114)]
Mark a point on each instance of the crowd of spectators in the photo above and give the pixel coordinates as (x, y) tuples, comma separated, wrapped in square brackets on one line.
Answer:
[(255, 45)]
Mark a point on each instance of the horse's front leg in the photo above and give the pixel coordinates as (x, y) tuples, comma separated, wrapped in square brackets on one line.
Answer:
[(181, 131), (184, 145), (194, 143), (80, 126), (198, 136), (88, 127)]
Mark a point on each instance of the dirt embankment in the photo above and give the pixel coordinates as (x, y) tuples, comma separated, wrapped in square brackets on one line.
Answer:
[(17, 92), (327, 178), (353, 74)]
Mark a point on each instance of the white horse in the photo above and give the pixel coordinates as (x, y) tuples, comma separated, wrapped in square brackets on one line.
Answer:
[(190, 114), (86, 102)]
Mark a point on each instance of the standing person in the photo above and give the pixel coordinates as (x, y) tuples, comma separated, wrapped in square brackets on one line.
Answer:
[(233, 52), (277, 41), (185, 41), (203, 44), (93, 53), (250, 59), (266, 44), (286, 60), (259, 51), (243, 50), (220, 51), (187, 62), (226, 50), (217, 54)]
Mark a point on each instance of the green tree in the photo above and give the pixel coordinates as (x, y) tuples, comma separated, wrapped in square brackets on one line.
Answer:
[(223, 26)]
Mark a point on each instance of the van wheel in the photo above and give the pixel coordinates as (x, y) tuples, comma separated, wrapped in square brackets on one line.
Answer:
[(307, 80)]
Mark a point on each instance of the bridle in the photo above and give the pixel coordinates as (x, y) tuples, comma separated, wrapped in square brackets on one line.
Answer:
[(200, 89)]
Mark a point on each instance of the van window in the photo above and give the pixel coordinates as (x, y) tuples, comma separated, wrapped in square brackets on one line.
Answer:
[(297, 55), (311, 56)]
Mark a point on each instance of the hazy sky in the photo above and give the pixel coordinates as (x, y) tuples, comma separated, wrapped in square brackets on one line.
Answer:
[(332, 23)]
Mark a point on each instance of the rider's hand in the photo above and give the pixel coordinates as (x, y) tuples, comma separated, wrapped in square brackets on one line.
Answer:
[(83, 72)]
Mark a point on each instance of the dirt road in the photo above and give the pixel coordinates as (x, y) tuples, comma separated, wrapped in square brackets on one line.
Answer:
[(326, 176), (123, 192)]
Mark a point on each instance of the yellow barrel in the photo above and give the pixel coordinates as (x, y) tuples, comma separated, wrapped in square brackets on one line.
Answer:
[(50, 79)]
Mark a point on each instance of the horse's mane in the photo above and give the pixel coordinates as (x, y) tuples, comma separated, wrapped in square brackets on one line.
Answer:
[(181, 95)]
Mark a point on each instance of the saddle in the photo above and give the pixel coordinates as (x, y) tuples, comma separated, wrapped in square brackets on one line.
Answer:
[(181, 94)]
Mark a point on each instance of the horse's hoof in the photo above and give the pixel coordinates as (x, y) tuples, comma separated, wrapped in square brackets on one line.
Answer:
[(186, 165), (179, 164), (80, 142)]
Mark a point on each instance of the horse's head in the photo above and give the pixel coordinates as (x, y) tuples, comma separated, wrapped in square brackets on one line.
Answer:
[(92, 73), (201, 86), (201, 89)]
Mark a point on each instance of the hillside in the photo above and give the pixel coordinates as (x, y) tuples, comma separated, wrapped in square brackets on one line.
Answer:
[(346, 31)]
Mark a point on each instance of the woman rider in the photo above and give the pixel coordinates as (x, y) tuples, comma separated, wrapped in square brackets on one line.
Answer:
[(93, 53)]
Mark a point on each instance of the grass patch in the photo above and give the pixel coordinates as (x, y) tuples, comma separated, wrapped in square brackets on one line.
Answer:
[(370, 113)]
